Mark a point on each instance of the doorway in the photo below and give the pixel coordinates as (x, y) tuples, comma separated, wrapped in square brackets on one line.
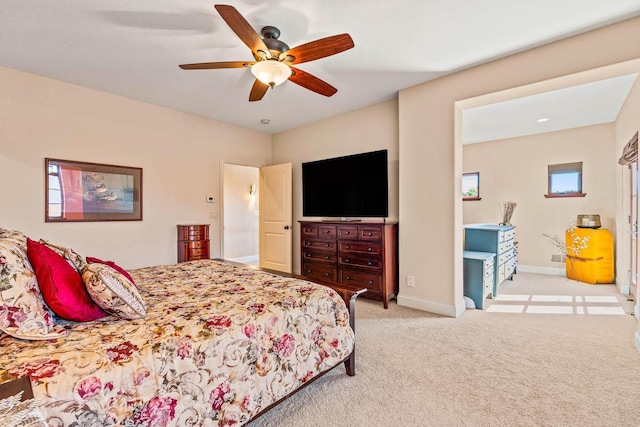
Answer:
[(240, 213), (633, 231)]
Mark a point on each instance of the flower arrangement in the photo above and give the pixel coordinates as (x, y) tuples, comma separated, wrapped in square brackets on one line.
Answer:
[(507, 212), (572, 247)]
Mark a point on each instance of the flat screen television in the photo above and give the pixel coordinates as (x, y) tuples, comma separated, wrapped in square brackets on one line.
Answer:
[(349, 186)]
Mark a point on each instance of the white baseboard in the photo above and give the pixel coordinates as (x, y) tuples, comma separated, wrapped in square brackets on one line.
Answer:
[(431, 307), (624, 289), (553, 271)]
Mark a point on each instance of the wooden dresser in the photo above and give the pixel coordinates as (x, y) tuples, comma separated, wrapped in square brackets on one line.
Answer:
[(478, 276), (193, 242), (358, 255), (498, 240)]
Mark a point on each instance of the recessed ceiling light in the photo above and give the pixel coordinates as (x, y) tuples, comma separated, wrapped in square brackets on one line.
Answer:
[(265, 121), (542, 120)]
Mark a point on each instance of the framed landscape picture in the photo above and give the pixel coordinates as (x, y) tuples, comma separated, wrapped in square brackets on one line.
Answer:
[(81, 191)]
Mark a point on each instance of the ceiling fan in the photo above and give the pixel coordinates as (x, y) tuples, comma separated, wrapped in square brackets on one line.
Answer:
[(274, 60)]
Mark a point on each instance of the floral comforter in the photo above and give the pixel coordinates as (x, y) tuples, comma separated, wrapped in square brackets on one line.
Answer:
[(219, 344)]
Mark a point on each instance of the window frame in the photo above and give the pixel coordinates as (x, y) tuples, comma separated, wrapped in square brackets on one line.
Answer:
[(477, 197), (560, 168)]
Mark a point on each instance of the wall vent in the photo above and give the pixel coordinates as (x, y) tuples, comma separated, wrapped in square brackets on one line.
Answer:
[(558, 258)]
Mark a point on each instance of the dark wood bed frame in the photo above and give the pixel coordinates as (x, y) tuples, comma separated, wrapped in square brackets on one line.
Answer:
[(348, 294)]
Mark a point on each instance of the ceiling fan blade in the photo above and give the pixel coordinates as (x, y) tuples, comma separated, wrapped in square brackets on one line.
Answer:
[(318, 49), (241, 27), (216, 65), (258, 90), (311, 82)]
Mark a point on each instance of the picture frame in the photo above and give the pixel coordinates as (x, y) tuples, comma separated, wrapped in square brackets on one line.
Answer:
[(471, 186), (88, 192)]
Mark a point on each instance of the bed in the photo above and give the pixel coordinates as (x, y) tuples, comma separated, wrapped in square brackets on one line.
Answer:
[(219, 345)]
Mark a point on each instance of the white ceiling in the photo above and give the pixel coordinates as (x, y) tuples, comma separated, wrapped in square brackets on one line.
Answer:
[(581, 105), (133, 48)]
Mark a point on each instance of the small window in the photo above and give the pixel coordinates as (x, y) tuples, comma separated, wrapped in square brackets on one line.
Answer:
[(565, 180), (471, 186)]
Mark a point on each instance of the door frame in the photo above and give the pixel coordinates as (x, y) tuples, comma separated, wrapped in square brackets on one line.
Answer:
[(221, 193)]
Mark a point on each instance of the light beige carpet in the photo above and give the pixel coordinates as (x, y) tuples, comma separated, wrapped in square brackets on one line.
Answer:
[(485, 368)]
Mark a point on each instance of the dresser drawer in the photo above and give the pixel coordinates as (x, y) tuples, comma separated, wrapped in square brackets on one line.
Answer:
[(319, 245), (359, 261), (503, 236), (370, 233), (347, 232), (309, 230), (502, 258), (354, 277), (193, 232), (316, 270), (196, 244), (487, 285), (197, 252), (360, 247), (320, 256), (327, 231), (505, 246)]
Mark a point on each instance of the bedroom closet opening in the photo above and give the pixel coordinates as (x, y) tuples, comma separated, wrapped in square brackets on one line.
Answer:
[(240, 216)]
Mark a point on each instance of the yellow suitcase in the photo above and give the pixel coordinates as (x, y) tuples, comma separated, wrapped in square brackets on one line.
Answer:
[(589, 255)]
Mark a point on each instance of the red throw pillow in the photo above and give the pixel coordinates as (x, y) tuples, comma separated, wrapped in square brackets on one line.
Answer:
[(116, 267), (61, 285)]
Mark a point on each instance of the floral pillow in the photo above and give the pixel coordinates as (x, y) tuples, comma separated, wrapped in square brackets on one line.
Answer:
[(23, 312), (116, 267), (113, 292), (69, 254)]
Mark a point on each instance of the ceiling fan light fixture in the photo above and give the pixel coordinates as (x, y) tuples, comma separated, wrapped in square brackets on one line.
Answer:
[(271, 72)]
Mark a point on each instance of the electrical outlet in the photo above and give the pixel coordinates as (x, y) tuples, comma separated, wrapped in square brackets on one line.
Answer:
[(211, 199), (410, 281)]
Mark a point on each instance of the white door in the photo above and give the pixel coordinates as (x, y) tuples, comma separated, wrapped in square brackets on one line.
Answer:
[(275, 217)]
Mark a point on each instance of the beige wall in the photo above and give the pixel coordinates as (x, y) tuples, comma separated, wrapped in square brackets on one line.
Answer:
[(179, 153), (240, 211), (431, 154), (368, 129), (627, 124), (516, 169)]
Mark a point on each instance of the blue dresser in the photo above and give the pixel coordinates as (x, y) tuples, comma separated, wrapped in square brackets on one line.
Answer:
[(498, 240), (478, 276)]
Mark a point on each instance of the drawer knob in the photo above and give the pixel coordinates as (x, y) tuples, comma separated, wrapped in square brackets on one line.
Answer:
[(371, 282), (347, 260), (370, 249), (308, 255), (348, 277), (328, 231), (326, 274), (348, 247), (347, 232), (369, 263), (327, 257), (327, 245), (309, 271), (370, 234)]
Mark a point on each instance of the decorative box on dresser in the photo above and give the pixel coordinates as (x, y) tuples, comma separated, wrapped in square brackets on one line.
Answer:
[(193, 242), (359, 255), (496, 239)]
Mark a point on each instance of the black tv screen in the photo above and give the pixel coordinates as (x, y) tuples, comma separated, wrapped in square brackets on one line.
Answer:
[(349, 186)]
